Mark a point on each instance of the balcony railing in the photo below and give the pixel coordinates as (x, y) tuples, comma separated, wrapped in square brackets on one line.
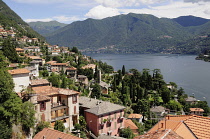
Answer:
[(59, 118), (57, 106)]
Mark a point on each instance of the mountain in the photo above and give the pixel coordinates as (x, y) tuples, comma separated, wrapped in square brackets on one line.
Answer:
[(44, 28), (8, 18), (131, 33), (187, 21)]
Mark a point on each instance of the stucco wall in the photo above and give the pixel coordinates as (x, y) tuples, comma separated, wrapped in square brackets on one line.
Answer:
[(97, 126), (21, 81)]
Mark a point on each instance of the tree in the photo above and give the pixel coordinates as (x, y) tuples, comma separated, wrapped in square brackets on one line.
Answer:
[(59, 126), (96, 91), (41, 125), (82, 122), (9, 51), (64, 82), (6, 130), (123, 70), (165, 94), (10, 104), (74, 49), (54, 79), (127, 133), (28, 116)]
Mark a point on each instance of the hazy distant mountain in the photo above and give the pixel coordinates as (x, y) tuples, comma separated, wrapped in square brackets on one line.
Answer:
[(46, 27), (187, 21), (8, 18), (139, 33)]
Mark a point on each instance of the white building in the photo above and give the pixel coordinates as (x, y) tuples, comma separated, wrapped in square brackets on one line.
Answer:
[(20, 78)]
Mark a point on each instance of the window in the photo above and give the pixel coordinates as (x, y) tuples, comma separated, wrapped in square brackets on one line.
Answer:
[(42, 106), (75, 110), (74, 98)]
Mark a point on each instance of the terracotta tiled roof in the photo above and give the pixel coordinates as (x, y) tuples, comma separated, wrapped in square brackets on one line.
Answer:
[(34, 57), (13, 65), (50, 62), (39, 82), (134, 115), (197, 109), (42, 98), (186, 126), (18, 71), (71, 68), (53, 134), (58, 64), (49, 90), (89, 66), (19, 49), (130, 124), (160, 134)]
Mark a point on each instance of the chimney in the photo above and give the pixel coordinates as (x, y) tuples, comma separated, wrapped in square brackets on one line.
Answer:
[(162, 124)]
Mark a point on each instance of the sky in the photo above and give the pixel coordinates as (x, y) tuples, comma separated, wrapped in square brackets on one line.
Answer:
[(68, 11)]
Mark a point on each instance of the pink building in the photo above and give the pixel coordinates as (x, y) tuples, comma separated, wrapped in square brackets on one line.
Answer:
[(102, 117)]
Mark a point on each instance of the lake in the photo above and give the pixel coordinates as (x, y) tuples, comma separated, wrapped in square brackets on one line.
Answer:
[(190, 74)]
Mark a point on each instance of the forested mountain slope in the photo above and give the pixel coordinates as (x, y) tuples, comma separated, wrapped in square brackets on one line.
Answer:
[(131, 33)]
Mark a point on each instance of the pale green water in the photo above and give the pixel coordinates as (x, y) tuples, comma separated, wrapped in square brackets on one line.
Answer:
[(190, 74)]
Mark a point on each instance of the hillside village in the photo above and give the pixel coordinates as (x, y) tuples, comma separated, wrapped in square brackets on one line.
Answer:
[(75, 96)]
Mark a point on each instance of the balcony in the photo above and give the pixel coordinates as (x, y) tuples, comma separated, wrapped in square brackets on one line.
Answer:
[(59, 118), (57, 106)]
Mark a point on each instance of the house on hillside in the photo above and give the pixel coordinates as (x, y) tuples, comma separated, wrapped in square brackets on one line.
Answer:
[(137, 117), (191, 100), (104, 87), (158, 110), (186, 126), (58, 67), (129, 124), (20, 78), (82, 79), (37, 59), (48, 133), (196, 111), (19, 50), (52, 104), (102, 117), (71, 72), (90, 66)]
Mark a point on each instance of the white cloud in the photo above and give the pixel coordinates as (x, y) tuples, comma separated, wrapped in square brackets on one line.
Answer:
[(66, 18), (174, 9), (62, 19), (127, 3), (100, 12), (195, 1), (40, 1), (42, 20)]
